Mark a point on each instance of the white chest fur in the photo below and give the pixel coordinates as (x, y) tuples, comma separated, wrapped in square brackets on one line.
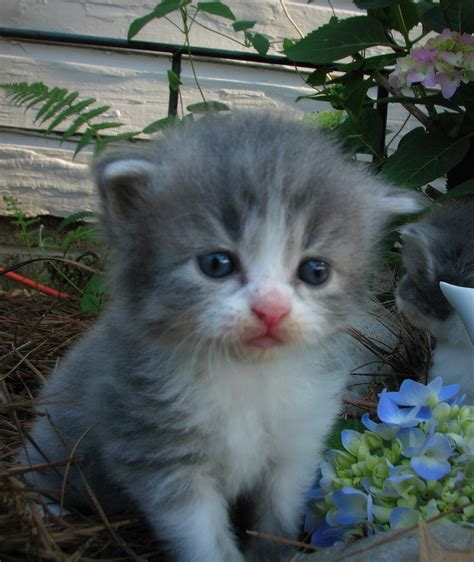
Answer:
[(258, 413)]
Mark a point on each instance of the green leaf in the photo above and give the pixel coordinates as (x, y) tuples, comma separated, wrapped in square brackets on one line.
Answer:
[(362, 134), (138, 24), (423, 157), (86, 138), (457, 15), (173, 80), (260, 43), (208, 106), (332, 42), (73, 128), (93, 296), (107, 125), (160, 124), (317, 78), (243, 25), (54, 95), (217, 9), (401, 16), (162, 9), (168, 6), (75, 217), (95, 112), (465, 188), (355, 91), (287, 43), (67, 101)]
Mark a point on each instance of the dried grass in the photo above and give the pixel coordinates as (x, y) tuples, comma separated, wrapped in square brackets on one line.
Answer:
[(34, 332)]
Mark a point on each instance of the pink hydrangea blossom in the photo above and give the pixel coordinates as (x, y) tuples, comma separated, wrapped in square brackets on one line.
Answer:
[(444, 61)]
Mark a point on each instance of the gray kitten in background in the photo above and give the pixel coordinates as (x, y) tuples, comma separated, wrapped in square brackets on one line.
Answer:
[(241, 247), (440, 248)]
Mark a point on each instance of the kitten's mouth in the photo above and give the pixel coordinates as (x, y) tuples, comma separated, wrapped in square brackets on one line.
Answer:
[(264, 341)]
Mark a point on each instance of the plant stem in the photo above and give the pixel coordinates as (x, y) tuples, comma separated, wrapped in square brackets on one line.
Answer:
[(221, 34), (418, 114), (186, 28), (290, 19)]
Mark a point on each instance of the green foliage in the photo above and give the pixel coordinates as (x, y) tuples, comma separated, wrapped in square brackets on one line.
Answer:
[(259, 42), (27, 229), (444, 144), (217, 9), (335, 41), (60, 107), (457, 15), (424, 156), (59, 242), (93, 294)]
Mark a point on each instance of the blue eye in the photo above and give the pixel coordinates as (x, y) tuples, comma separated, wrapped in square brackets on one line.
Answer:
[(313, 272), (217, 264)]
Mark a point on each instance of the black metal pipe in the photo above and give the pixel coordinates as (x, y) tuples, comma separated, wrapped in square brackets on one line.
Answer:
[(382, 110), (111, 42), (174, 92)]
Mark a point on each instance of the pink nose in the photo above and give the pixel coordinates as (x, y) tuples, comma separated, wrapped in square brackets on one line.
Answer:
[(271, 308)]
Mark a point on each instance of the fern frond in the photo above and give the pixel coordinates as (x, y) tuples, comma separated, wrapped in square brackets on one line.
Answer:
[(58, 105), (75, 217), (85, 139), (56, 94)]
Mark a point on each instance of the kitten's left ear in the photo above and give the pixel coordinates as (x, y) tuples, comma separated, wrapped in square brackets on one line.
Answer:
[(402, 201), (124, 182)]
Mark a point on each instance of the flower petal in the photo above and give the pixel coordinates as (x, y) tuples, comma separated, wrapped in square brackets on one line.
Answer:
[(326, 535), (412, 440), (403, 517), (447, 392), (430, 468), (349, 438), (438, 446)]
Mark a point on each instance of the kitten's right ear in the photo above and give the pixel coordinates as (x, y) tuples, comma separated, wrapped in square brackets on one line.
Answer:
[(124, 181), (421, 241)]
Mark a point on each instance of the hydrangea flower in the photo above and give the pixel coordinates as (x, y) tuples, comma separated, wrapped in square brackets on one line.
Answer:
[(444, 61), (416, 463)]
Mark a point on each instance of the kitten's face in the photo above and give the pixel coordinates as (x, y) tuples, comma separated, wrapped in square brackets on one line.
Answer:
[(243, 246), (437, 248)]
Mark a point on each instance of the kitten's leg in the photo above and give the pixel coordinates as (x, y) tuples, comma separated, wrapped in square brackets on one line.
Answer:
[(195, 523), (278, 511)]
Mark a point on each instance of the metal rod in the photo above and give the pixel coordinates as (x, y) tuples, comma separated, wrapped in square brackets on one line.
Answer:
[(111, 42), (174, 93), (382, 110)]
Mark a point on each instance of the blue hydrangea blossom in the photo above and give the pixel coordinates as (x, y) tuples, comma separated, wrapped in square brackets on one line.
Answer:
[(416, 463)]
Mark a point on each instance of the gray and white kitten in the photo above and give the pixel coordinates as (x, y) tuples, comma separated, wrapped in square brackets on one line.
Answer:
[(440, 248), (241, 247)]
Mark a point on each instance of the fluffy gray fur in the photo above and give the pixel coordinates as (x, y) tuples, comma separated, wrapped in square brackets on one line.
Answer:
[(169, 410), (439, 248)]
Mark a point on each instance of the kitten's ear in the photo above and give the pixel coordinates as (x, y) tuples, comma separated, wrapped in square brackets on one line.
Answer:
[(421, 241), (124, 181), (402, 202)]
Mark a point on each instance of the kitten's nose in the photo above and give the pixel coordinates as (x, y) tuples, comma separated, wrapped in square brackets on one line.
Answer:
[(271, 308)]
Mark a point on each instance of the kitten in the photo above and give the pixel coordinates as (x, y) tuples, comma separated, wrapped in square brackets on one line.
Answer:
[(440, 248), (241, 247)]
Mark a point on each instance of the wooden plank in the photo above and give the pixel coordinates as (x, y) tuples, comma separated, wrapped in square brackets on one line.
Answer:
[(136, 85), (43, 176)]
